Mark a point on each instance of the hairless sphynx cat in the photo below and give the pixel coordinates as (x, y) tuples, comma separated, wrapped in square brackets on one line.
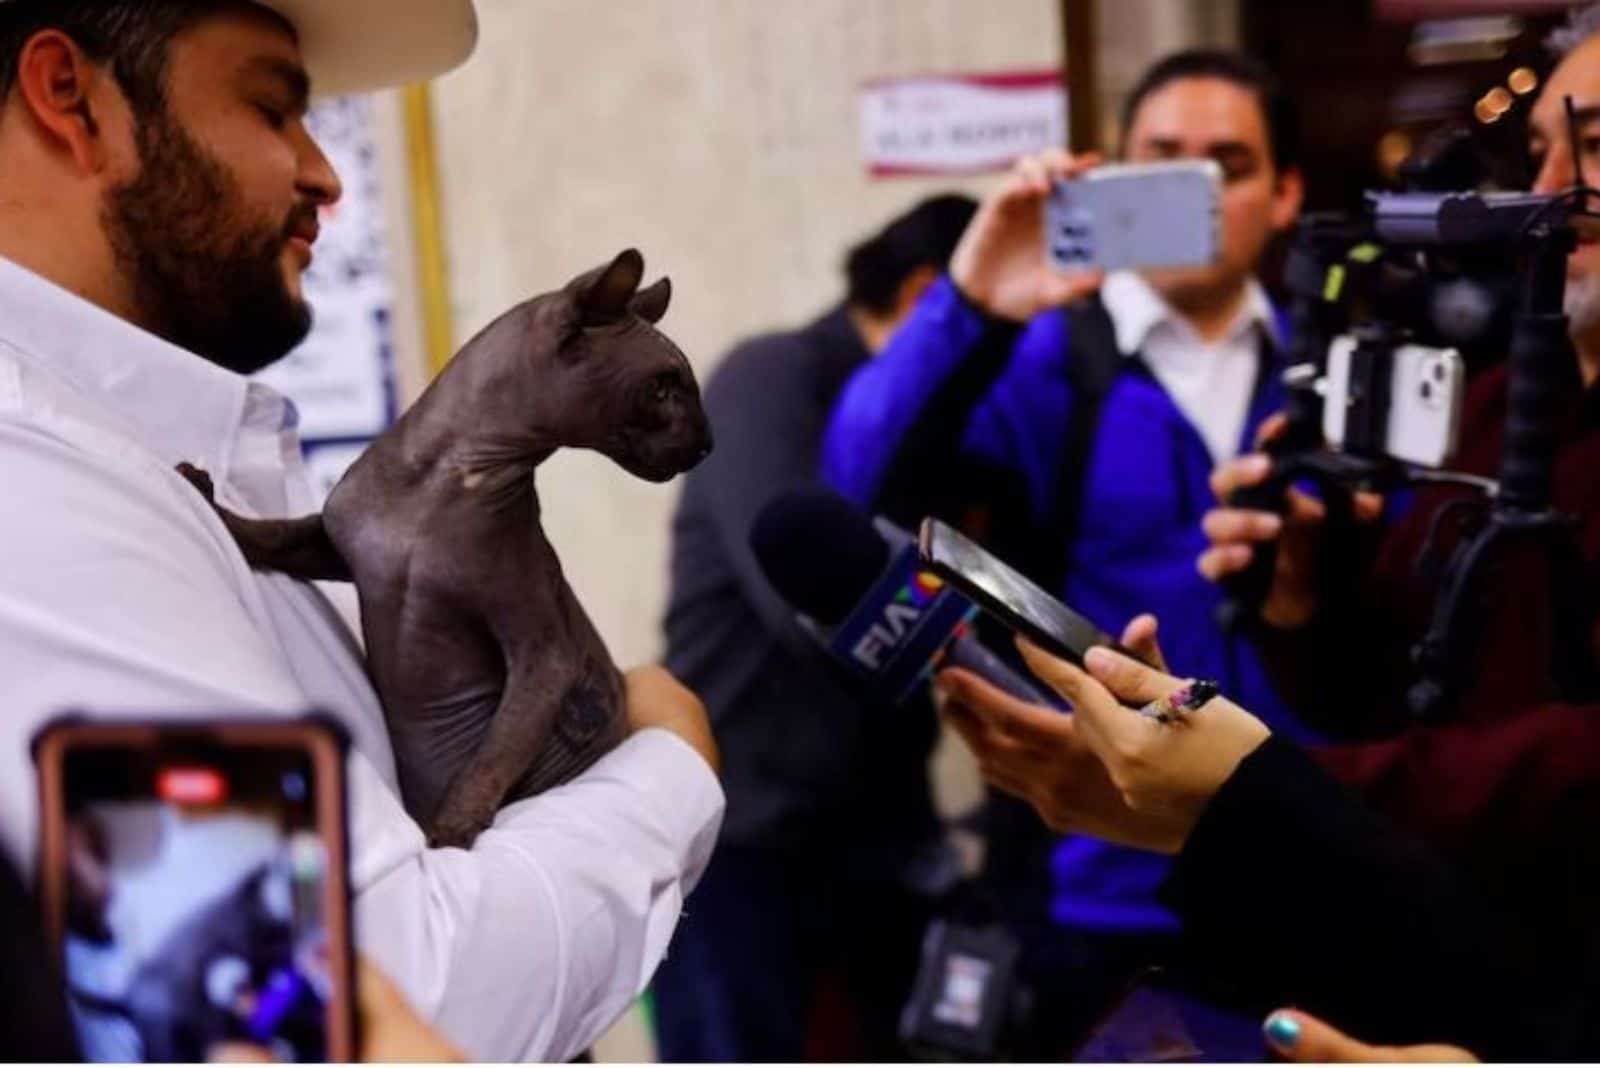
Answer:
[(494, 682)]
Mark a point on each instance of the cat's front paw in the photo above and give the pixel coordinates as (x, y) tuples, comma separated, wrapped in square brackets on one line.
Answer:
[(455, 831), (200, 480)]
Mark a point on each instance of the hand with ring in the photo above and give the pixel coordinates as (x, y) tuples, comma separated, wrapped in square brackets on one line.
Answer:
[(1110, 769)]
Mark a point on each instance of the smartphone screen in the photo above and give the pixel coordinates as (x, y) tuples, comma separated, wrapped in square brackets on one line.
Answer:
[(1005, 593), (194, 885)]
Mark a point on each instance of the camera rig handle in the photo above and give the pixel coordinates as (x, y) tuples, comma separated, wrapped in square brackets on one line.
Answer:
[(1337, 477), (1542, 378), (1313, 275)]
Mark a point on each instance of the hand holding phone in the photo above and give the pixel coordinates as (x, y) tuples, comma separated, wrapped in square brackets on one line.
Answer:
[(194, 885), (1136, 215), (1002, 263)]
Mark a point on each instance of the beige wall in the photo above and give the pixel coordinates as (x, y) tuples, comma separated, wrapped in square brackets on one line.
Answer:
[(718, 136), (1135, 32)]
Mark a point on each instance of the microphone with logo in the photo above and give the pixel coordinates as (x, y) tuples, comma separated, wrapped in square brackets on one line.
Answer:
[(860, 589)]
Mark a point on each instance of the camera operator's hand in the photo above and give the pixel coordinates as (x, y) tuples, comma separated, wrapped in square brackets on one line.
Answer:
[(391, 1030), (1235, 533), (1296, 1036), (1000, 263), (1105, 770), (656, 699)]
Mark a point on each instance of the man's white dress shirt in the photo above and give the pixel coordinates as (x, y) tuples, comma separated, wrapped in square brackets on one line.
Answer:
[(1210, 382), (122, 594)]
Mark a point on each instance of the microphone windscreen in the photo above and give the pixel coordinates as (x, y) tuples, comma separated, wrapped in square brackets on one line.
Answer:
[(819, 551)]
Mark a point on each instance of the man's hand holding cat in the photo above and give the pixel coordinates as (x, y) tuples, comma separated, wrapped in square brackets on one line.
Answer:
[(656, 699)]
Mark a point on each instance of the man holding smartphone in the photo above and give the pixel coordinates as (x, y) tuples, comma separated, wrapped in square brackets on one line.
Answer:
[(1077, 443), (161, 203)]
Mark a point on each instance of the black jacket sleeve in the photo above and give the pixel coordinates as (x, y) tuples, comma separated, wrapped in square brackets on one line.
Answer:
[(1307, 897), (33, 1010)]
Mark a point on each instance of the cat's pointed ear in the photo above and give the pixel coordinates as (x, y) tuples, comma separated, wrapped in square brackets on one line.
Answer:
[(602, 295), (650, 303)]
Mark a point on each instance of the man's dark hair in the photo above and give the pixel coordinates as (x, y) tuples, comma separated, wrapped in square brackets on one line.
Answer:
[(1237, 69), (925, 236), (132, 37)]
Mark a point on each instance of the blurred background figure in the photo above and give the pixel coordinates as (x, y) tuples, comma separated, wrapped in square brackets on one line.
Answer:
[(801, 939), (33, 1014)]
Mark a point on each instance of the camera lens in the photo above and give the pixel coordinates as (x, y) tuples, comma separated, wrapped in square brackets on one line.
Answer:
[(1427, 391), (1438, 372)]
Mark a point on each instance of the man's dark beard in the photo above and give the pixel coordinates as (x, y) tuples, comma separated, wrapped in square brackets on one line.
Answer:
[(204, 274)]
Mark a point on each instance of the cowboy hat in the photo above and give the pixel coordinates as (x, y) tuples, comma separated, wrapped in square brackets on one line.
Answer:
[(353, 46)]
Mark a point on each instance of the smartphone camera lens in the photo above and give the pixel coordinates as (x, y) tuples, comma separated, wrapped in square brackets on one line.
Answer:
[(294, 786), (1427, 391), (1439, 373)]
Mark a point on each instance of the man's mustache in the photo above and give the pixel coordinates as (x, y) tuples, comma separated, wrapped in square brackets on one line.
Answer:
[(304, 222)]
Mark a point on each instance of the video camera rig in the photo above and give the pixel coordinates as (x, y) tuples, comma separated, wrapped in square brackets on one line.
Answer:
[(1373, 271)]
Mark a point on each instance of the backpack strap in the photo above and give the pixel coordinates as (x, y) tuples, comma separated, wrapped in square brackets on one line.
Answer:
[(1093, 362)]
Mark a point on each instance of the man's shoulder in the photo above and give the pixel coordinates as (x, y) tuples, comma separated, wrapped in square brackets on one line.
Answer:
[(73, 477)]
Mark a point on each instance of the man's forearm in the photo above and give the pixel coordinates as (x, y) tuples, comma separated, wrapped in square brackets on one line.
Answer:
[(531, 944)]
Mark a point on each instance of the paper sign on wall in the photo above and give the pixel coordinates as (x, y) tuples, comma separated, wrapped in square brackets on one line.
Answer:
[(960, 124)]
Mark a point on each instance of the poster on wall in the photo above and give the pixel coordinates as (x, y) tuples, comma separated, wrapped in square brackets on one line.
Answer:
[(342, 378), (960, 124)]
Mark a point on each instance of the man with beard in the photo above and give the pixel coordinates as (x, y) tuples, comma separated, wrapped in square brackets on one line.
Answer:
[(159, 195)]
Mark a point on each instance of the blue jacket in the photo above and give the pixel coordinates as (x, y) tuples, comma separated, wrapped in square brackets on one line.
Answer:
[(1138, 532)]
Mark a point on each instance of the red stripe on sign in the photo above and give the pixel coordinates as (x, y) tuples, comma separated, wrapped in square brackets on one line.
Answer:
[(900, 170), (191, 786), (1023, 79)]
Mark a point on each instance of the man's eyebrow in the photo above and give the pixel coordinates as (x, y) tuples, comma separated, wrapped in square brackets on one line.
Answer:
[(1231, 149), (1227, 149), (1583, 114), (1164, 144), (291, 74)]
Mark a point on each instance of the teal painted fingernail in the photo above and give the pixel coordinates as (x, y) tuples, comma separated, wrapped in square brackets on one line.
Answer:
[(1282, 1030)]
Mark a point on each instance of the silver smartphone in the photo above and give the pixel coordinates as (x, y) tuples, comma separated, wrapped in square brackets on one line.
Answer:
[(1136, 215), (1426, 389)]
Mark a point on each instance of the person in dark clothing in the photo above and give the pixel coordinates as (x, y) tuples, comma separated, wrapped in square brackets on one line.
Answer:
[(1507, 788), (830, 821), (33, 1013), (1285, 883)]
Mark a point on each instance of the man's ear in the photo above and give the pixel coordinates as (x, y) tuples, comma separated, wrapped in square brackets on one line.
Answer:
[(602, 295), (57, 84), (650, 304), (1287, 197)]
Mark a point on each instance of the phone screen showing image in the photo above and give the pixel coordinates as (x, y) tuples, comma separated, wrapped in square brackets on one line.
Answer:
[(196, 896)]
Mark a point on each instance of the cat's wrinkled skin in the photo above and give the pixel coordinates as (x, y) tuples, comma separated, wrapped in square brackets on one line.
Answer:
[(494, 682)]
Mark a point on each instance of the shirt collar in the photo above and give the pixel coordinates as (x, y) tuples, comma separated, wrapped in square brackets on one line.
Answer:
[(184, 408), (1136, 309)]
